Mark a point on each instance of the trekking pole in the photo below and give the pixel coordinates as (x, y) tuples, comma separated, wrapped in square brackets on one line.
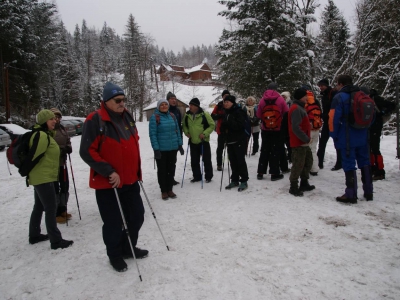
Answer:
[(202, 163), (65, 192), (152, 212), (127, 231), (229, 173), (184, 169), (73, 180), (223, 163)]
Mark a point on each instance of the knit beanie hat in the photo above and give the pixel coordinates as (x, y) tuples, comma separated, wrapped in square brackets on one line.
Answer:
[(272, 86), (170, 95), (195, 102), (161, 101), (230, 98), (56, 111), (323, 82), (306, 87), (43, 116), (299, 93), (225, 92), (111, 90)]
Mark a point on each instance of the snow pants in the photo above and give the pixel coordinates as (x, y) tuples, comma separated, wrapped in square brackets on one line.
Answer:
[(114, 237)]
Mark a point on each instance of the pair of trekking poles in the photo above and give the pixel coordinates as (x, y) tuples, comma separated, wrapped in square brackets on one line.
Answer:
[(126, 226), (65, 185), (202, 165)]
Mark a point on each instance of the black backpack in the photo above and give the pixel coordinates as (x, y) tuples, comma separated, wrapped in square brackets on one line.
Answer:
[(21, 155)]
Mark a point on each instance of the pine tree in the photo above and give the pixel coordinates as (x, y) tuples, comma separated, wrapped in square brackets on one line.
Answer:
[(333, 42)]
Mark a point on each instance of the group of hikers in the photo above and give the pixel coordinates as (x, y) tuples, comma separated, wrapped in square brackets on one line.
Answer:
[(110, 146)]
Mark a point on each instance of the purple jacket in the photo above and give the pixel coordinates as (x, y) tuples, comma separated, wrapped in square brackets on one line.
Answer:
[(280, 102)]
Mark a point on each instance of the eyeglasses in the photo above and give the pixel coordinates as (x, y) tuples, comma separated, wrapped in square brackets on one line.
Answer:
[(58, 117), (119, 100)]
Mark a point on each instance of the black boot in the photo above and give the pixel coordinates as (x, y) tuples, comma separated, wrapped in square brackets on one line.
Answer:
[(366, 178), (350, 195), (305, 186), (294, 189)]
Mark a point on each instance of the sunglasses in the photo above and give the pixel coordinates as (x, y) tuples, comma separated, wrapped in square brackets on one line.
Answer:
[(119, 100)]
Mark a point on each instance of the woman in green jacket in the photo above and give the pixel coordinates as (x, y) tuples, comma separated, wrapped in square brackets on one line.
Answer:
[(42, 176)]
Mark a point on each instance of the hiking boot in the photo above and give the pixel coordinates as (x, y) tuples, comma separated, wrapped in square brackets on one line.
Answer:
[(208, 180), (305, 186), (314, 173), (67, 215), (295, 191), (276, 177), (345, 199), (38, 239), (174, 182), (336, 167), (61, 220), (232, 185), (260, 176), (286, 171), (140, 253), (171, 194), (164, 196), (195, 180), (369, 197), (254, 153), (243, 186), (378, 177), (118, 264), (219, 168), (321, 165), (61, 244)]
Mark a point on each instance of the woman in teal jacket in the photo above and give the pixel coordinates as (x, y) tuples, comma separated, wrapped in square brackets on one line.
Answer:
[(165, 140), (42, 176)]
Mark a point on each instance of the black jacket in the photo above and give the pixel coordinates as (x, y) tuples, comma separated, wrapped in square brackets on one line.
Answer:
[(326, 100), (233, 124)]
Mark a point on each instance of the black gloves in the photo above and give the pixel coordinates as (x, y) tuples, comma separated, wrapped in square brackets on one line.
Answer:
[(181, 151), (157, 154)]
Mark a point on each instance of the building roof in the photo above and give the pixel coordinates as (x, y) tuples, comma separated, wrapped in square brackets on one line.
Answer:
[(179, 69)]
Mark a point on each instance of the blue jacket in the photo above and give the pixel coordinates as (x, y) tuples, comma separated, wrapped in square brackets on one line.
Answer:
[(341, 132), (164, 132)]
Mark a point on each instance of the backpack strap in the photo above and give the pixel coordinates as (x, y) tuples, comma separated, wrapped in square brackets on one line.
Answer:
[(103, 131)]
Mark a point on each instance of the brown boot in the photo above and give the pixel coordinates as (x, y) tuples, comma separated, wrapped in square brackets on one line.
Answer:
[(171, 194), (164, 196), (61, 220), (65, 214)]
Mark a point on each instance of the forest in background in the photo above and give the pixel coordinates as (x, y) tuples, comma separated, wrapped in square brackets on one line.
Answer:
[(47, 66)]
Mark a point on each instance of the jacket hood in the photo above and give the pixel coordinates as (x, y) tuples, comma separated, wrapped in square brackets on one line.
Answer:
[(350, 89), (271, 95)]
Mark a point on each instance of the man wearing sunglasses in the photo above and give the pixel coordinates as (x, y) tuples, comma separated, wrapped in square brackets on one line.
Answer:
[(110, 146)]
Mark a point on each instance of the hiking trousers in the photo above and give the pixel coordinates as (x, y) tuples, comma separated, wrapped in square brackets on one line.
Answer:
[(166, 170), (270, 141), (113, 236), (195, 156), (236, 154), (301, 164), (45, 200)]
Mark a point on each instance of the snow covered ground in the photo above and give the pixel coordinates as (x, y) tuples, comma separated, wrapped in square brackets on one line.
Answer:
[(262, 243)]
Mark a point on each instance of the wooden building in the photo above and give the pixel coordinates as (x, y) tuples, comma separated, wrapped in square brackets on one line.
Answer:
[(200, 72), (183, 107)]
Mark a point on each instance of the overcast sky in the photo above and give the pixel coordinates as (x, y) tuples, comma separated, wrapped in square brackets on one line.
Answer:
[(172, 23)]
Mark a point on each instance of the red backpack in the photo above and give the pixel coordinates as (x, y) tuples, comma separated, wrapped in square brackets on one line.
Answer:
[(362, 110), (313, 111), (271, 115)]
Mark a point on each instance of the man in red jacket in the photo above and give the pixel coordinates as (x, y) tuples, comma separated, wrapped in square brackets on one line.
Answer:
[(110, 146), (299, 134)]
